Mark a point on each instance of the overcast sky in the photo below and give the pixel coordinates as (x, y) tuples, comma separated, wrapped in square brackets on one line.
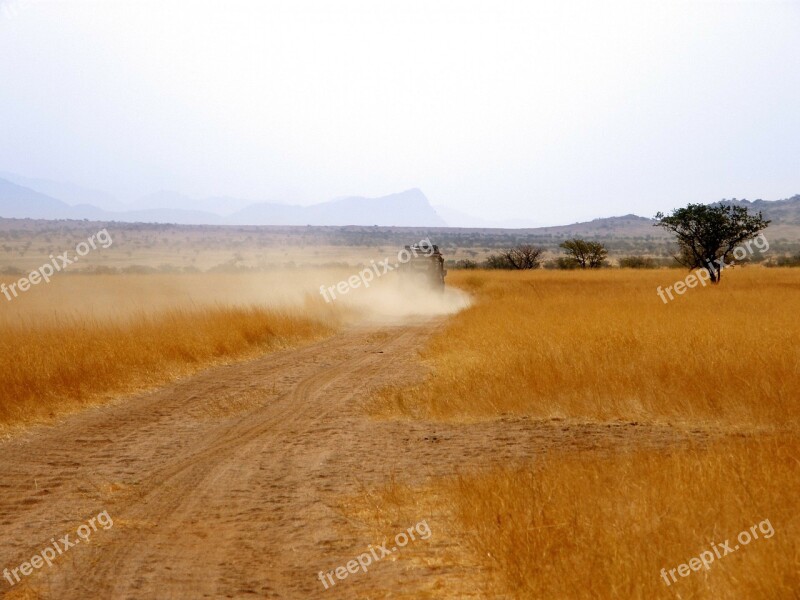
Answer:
[(552, 111)]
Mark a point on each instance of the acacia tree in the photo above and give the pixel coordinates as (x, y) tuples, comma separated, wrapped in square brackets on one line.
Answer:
[(588, 255), (523, 257), (709, 234)]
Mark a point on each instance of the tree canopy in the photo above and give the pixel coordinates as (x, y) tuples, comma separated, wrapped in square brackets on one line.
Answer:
[(708, 234), (588, 255)]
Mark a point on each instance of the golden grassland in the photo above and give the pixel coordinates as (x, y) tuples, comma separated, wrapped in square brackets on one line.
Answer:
[(82, 351), (602, 346), (600, 525)]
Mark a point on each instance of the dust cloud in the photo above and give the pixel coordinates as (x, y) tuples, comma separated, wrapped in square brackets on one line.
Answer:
[(124, 297), (394, 300)]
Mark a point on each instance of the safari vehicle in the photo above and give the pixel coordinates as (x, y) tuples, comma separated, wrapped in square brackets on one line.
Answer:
[(425, 266)]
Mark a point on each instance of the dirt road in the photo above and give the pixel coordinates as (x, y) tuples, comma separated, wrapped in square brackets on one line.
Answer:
[(226, 484)]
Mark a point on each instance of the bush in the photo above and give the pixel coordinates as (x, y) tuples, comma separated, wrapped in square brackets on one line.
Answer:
[(784, 261), (498, 261), (465, 264), (563, 263), (522, 257), (637, 262)]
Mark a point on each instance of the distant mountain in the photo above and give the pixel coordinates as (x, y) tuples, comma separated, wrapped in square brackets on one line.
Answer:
[(456, 218), (66, 192), (406, 209), (627, 225), (409, 208), (221, 206), (167, 215), (20, 202), (783, 212)]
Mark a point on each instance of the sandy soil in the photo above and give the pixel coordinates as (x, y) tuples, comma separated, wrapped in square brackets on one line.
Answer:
[(228, 484)]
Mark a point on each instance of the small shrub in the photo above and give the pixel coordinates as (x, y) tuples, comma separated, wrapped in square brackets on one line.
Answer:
[(498, 261), (637, 262), (465, 264)]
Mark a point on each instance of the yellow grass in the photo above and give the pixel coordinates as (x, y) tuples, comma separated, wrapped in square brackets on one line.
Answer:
[(589, 526), (603, 526), (603, 345), (55, 362)]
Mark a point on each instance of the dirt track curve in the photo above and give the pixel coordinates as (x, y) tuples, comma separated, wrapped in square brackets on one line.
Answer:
[(225, 484)]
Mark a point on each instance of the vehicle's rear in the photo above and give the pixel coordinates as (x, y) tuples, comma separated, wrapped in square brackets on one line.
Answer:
[(425, 267)]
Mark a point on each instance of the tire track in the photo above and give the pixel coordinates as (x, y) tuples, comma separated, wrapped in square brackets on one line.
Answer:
[(143, 550)]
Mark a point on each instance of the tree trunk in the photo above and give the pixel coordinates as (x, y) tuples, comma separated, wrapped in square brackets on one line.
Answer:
[(713, 272)]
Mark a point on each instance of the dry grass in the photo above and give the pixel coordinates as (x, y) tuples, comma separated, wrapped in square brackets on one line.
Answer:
[(603, 345), (603, 526), (54, 362), (588, 526)]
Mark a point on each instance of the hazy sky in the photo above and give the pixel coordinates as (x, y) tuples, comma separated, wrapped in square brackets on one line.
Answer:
[(552, 111)]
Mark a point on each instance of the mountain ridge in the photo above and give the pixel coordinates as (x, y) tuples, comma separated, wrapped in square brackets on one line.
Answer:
[(409, 208)]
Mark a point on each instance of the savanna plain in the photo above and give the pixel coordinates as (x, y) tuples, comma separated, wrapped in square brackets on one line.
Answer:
[(561, 434)]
